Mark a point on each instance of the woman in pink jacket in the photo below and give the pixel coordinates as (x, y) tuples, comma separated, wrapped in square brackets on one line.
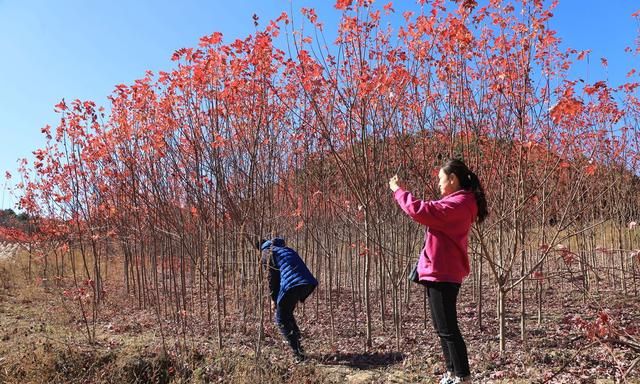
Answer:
[(444, 261)]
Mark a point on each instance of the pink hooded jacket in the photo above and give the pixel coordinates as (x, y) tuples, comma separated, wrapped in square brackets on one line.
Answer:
[(444, 257)]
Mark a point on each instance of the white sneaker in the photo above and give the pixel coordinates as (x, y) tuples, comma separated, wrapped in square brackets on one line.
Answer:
[(458, 380), (447, 378)]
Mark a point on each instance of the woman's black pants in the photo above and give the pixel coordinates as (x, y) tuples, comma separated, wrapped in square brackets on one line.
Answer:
[(442, 301)]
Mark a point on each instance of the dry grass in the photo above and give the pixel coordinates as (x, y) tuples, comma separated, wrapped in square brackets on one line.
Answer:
[(43, 340)]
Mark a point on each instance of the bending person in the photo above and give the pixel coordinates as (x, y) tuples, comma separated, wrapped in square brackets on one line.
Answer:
[(290, 282)]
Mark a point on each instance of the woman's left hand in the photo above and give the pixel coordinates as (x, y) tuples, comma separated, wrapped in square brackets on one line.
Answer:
[(393, 183)]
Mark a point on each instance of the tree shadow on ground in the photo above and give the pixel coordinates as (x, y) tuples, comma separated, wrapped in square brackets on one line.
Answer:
[(361, 360)]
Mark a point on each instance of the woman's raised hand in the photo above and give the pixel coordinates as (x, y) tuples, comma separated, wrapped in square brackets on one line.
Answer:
[(393, 183)]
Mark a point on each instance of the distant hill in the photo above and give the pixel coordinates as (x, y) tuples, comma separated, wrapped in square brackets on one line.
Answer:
[(13, 225)]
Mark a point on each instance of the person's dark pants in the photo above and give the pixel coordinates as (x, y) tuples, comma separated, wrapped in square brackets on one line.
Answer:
[(284, 315), (442, 301)]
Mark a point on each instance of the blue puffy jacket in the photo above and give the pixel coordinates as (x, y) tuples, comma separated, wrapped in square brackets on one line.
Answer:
[(286, 270)]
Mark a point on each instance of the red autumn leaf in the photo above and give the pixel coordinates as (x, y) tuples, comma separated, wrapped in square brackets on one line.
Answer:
[(469, 4), (61, 106), (283, 17), (568, 257), (582, 54), (310, 13), (567, 108), (218, 142), (213, 39), (177, 54), (595, 87), (46, 130), (343, 4), (604, 317)]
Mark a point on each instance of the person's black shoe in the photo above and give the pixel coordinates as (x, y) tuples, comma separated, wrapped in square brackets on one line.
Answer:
[(299, 356)]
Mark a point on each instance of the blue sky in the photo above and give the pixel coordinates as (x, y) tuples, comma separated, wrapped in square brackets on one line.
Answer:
[(80, 49)]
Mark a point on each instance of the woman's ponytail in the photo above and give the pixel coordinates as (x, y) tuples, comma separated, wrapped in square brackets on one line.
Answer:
[(481, 200)]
